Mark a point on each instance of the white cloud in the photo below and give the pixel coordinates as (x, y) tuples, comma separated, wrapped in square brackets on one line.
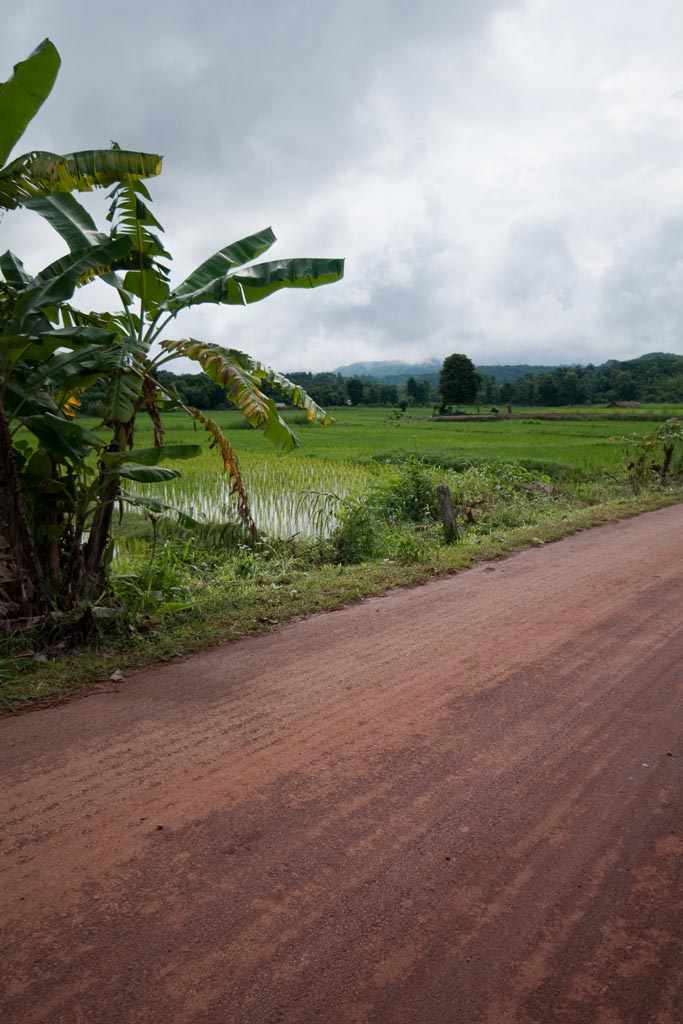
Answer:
[(504, 178)]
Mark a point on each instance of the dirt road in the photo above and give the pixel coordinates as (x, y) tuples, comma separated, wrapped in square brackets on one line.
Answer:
[(461, 803)]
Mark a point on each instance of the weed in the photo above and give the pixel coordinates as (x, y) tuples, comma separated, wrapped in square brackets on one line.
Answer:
[(655, 456)]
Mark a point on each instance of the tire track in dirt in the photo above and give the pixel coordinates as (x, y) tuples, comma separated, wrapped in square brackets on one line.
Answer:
[(458, 803)]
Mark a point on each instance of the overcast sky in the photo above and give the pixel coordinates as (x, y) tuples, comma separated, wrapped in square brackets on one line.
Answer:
[(504, 178)]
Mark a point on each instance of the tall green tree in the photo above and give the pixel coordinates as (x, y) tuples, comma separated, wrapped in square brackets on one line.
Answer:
[(459, 382), (354, 388)]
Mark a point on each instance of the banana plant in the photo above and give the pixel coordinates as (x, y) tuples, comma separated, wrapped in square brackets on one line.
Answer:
[(39, 173), (51, 351), (43, 369), (149, 304), (58, 351)]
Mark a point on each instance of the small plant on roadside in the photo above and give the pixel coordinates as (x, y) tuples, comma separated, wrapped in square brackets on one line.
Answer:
[(395, 518), (382, 522), (321, 508), (651, 458)]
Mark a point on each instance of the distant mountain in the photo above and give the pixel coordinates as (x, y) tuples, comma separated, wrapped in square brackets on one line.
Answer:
[(504, 373), (390, 368), (393, 372)]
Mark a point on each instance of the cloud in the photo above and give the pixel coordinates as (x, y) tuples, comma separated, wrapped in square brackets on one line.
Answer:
[(503, 176), (536, 263), (641, 297)]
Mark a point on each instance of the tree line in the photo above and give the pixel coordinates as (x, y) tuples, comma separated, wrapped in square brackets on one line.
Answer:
[(326, 389), (657, 377)]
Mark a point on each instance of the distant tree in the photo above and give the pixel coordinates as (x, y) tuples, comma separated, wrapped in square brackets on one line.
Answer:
[(626, 389), (506, 393), (423, 392), (325, 388), (525, 391), (488, 390), (571, 391), (388, 394), (354, 387), (412, 389), (458, 381), (547, 389), (673, 391)]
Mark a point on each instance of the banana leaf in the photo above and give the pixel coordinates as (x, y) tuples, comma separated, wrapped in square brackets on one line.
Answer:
[(58, 282), (252, 284), (41, 173), (13, 271), (63, 368), (234, 255), (238, 374), (143, 474), (69, 219), (152, 456), (22, 96), (63, 438)]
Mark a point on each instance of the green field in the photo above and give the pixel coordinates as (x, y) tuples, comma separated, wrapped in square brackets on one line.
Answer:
[(347, 457), (525, 481)]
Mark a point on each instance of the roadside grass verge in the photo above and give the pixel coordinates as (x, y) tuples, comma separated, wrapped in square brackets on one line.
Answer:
[(266, 593)]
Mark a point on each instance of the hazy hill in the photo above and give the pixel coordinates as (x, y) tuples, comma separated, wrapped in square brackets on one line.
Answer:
[(391, 368), (392, 372)]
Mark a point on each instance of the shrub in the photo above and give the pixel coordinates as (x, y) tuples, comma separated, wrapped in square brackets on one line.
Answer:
[(394, 518)]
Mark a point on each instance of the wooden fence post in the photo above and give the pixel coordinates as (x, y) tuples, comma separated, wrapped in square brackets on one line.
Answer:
[(450, 525)]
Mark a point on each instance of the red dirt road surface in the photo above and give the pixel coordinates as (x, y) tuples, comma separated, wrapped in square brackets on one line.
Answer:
[(461, 803)]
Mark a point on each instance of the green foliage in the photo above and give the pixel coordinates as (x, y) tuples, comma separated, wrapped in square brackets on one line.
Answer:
[(381, 522), (154, 583), (395, 519), (50, 368), (648, 379), (208, 582), (657, 377), (64, 479), (23, 95), (37, 174), (652, 457), (419, 391), (458, 381)]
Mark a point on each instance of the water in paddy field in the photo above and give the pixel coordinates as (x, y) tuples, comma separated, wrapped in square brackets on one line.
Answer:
[(287, 497)]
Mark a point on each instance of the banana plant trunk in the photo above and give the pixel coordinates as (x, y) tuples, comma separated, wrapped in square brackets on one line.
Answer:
[(22, 594), (100, 532)]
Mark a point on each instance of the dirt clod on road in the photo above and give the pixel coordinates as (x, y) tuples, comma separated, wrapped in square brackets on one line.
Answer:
[(460, 804)]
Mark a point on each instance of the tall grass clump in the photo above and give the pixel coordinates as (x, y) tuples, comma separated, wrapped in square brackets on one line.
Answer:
[(398, 517)]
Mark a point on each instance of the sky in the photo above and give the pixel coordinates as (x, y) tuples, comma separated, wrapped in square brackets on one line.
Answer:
[(503, 177)]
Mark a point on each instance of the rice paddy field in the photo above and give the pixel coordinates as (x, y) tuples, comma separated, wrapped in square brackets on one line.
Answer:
[(295, 494), (175, 591)]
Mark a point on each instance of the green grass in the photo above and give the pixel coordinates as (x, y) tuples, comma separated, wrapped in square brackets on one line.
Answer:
[(193, 595), (342, 459), (362, 433)]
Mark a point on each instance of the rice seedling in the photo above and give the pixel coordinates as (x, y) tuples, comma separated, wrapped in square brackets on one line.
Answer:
[(298, 495), (289, 497)]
